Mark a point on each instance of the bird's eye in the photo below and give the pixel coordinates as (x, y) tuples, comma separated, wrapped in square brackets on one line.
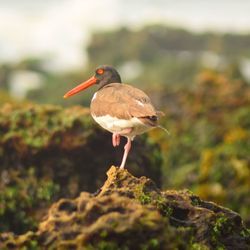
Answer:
[(100, 71)]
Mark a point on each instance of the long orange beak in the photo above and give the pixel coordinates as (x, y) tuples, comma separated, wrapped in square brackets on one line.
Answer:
[(81, 87)]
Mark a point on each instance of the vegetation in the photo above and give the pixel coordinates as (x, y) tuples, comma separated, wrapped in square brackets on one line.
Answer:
[(208, 150)]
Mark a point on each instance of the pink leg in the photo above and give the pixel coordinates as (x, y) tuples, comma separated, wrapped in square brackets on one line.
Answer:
[(115, 139), (125, 155)]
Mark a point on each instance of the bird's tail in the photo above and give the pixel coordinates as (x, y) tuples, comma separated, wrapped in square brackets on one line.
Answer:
[(164, 129), (160, 114)]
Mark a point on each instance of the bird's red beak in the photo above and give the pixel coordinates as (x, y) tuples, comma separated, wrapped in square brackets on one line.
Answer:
[(81, 87)]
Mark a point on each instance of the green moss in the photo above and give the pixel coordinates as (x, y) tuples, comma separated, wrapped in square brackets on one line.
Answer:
[(245, 233), (31, 245), (19, 196), (36, 125), (155, 199), (141, 196), (198, 246), (144, 198), (104, 234), (153, 244), (106, 245), (47, 190), (165, 209), (220, 226)]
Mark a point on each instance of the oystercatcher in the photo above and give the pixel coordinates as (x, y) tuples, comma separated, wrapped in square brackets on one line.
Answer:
[(119, 108)]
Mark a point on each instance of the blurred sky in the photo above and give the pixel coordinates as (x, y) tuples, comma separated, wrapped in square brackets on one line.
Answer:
[(60, 29)]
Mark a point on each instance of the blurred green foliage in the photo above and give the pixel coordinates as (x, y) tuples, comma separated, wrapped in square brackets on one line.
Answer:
[(208, 150), (23, 199)]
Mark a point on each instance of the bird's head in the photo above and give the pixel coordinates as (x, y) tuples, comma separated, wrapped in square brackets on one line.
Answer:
[(104, 75)]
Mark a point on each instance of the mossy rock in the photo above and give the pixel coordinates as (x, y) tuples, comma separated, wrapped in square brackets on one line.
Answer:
[(47, 152), (119, 217)]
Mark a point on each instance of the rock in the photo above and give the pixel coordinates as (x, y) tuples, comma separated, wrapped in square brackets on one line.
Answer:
[(47, 152), (132, 213)]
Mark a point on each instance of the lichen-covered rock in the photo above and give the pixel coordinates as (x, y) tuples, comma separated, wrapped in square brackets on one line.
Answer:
[(208, 151), (132, 213), (47, 152)]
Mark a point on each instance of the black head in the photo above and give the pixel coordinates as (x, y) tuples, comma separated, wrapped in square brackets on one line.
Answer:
[(106, 74), (103, 75)]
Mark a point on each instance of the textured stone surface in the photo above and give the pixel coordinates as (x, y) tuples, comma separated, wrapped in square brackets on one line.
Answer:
[(132, 213)]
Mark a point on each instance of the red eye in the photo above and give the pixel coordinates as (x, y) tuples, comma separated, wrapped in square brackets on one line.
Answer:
[(100, 71)]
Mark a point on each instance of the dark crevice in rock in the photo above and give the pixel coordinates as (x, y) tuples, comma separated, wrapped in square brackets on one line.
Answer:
[(67, 206)]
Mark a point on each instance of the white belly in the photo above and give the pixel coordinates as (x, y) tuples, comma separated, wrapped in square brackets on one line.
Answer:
[(116, 125)]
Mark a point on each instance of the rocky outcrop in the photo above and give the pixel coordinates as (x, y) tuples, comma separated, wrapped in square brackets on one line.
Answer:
[(132, 213), (47, 152)]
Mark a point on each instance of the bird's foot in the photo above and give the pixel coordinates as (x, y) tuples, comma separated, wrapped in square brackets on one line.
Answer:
[(116, 140)]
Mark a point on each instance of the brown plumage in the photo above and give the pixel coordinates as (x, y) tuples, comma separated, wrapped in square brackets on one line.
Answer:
[(125, 102)]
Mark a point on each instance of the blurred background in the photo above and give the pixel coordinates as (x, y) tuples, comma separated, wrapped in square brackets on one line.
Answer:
[(191, 57)]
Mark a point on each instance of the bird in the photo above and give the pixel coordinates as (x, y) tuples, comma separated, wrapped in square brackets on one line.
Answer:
[(119, 108)]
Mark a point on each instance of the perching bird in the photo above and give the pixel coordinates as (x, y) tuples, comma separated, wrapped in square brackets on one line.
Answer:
[(119, 108)]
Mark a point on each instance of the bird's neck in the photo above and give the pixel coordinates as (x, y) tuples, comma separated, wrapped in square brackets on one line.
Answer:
[(113, 79), (109, 85)]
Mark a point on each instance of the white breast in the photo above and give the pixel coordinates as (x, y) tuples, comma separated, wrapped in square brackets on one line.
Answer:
[(116, 125), (94, 96)]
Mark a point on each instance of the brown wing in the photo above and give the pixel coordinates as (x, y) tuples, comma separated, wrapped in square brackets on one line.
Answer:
[(124, 101)]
